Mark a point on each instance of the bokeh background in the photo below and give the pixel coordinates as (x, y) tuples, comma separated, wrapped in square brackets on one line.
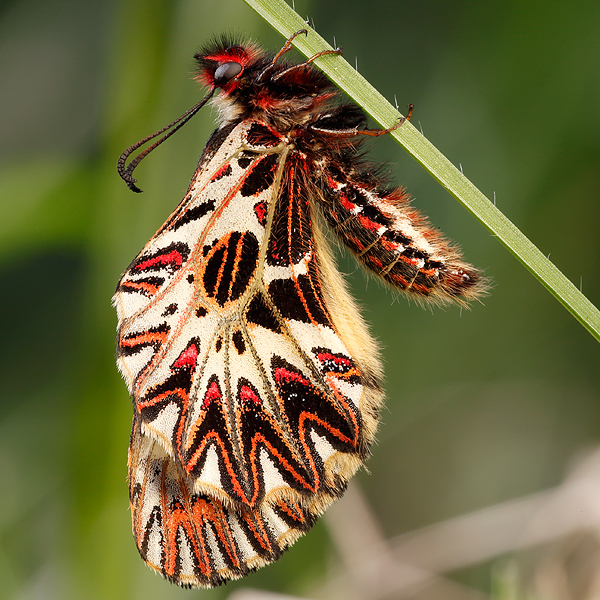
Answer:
[(485, 407)]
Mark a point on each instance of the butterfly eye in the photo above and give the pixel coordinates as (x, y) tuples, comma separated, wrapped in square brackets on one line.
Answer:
[(226, 72)]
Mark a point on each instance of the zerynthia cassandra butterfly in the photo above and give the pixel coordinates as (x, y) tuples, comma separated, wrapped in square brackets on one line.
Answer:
[(256, 387)]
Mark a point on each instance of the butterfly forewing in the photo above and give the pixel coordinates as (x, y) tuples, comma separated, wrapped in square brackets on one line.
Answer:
[(248, 404)]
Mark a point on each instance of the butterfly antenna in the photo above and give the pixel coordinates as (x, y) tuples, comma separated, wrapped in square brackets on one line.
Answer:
[(126, 171)]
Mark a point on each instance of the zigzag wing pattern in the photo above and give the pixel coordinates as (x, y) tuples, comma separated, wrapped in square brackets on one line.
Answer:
[(194, 538), (250, 411)]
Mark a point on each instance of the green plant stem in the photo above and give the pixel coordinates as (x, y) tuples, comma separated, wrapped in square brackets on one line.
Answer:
[(286, 21)]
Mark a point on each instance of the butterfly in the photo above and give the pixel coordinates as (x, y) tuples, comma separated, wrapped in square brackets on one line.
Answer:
[(256, 386)]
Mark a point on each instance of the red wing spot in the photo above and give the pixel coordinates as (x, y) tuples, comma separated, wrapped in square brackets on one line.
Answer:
[(338, 361), (261, 212), (249, 395), (339, 366), (172, 258), (213, 393), (283, 375), (188, 358)]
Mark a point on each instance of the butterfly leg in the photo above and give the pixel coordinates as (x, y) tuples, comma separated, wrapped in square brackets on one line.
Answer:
[(337, 52), (354, 131), (286, 48)]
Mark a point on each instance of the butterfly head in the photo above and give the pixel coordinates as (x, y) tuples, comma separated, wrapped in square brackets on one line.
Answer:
[(251, 83), (229, 67)]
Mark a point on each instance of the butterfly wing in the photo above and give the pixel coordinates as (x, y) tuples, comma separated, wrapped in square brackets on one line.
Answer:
[(251, 407)]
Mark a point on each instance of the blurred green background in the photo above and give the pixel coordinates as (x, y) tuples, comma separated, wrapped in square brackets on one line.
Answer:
[(483, 405)]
